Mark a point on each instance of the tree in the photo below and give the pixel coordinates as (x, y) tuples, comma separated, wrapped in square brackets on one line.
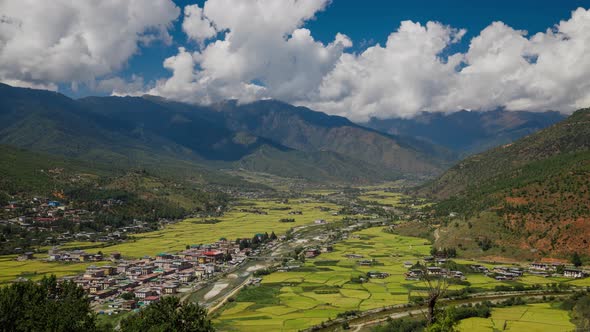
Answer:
[(169, 315), (436, 287), (45, 306), (273, 236), (128, 296), (576, 260), (446, 321)]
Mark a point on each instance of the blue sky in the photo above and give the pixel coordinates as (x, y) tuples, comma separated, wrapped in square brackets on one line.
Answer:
[(374, 20), (338, 62), (371, 21)]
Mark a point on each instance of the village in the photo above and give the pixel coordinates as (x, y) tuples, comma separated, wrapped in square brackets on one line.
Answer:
[(55, 222), (135, 283)]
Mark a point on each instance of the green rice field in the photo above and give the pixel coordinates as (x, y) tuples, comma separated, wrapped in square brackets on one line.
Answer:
[(539, 317), (285, 300)]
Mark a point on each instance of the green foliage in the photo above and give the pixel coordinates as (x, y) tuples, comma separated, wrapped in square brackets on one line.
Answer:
[(402, 325), (576, 260), (169, 315), (446, 321), (579, 304), (46, 306)]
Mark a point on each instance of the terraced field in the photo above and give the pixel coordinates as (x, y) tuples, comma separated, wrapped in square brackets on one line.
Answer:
[(284, 299), (322, 288), (388, 198), (539, 317), (382, 197)]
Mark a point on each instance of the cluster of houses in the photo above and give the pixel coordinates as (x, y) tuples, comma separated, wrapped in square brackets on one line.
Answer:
[(44, 210), (41, 214), (548, 269), (150, 278), (434, 271), (56, 255), (40, 210)]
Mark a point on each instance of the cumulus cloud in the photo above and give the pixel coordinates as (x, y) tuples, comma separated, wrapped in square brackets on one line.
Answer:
[(63, 41), (196, 26), (263, 52), (248, 50), (402, 77), (502, 67)]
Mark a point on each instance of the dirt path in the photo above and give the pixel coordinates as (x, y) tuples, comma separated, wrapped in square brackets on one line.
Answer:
[(217, 288), (227, 296)]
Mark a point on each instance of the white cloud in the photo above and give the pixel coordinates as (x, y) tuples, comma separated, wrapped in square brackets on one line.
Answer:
[(264, 52), (403, 76), (48, 42), (196, 26), (503, 67), (256, 49)]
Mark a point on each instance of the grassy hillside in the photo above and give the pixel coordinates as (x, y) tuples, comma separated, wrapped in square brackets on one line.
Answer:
[(24, 174), (537, 188), (569, 136), (314, 166), (305, 130)]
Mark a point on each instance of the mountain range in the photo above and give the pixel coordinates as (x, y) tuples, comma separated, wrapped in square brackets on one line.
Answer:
[(153, 132), (265, 136), (468, 132)]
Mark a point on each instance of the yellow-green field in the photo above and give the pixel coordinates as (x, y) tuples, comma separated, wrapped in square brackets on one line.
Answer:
[(381, 197), (232, 225), (539, 317), (289, 301), (390, 199), (325, 285), (10, 268)]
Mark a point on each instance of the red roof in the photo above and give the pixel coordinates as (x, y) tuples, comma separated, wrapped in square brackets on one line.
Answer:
[(212, 253), (152, 298)]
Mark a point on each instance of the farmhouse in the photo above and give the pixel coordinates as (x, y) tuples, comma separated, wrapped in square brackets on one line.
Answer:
[(311, 253), (151, 299), (353, 256), (145, 292), (365, 262), (573, 273), (544, 266), (377, 275), (170, 289), (25, 256), (129, 305)]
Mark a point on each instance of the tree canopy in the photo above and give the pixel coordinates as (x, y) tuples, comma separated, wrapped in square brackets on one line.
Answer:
[(169, 315), (45, 306)]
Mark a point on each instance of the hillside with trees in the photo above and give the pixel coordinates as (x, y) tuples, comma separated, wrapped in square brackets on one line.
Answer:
[(538, 188)]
